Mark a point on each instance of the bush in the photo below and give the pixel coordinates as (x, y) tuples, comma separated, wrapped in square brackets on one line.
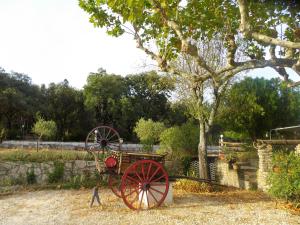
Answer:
[(43, 155), (148, 132), (285, 177), (180, 141), (192, 186), (57, 174), (30, 177)]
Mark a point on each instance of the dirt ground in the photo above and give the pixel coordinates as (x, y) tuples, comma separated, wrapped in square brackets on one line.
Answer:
[(70, 207)]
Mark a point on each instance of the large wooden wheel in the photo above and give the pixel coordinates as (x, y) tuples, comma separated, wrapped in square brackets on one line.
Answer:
[(144, 185), (103, 138), (114, 183)]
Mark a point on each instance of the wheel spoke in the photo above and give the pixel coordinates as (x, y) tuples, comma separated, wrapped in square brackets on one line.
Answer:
[(132, 179), (141, 199), (157, 191), (147, 199), (143, 171), (99, 133), (131, 192), (136, 197), (157, 179), (153, 196), (149, 169), (108, 133), (138, 176), (112, 136), (156, 171)]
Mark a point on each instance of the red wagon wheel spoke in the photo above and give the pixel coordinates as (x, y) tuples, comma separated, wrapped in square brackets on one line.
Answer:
[(156, 171), (149, 169), (152, 195), (132, 179), (114, 182), (156, 190), (158, 179), (144, 174)]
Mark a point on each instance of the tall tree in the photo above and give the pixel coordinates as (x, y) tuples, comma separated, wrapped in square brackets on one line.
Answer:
[(254, 106), (65, 105), (104, 94), (177, 27)]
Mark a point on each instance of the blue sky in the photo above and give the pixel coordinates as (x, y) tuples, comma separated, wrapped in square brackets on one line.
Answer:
[(51, 40)]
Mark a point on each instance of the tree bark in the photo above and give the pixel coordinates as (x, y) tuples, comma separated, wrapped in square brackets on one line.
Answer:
[(202, 151)]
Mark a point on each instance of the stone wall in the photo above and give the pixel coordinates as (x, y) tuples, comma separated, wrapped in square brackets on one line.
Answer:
[(240, 175), (265, 165), (17, 172)]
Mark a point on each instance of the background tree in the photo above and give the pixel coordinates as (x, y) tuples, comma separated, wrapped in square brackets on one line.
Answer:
[(65, 105), (177, 27), (147, 97), (19, 101), (44, 128), (148, 132), (254, 106), (103, 94), (180, 141)]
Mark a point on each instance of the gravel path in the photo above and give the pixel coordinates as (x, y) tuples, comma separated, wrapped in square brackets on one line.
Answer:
[(71, 207)]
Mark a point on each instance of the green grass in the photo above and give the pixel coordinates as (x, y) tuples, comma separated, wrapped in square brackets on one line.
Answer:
[(43, 155)]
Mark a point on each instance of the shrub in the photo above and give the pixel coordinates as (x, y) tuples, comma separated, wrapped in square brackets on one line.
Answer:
[(180, 141), (30, 177), (285, 177), (57, 174), (44, 155), (148, 132), (192, 186), (44, 128)]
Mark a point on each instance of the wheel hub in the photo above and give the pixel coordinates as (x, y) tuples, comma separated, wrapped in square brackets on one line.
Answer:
[(103, 143), (145, 186)]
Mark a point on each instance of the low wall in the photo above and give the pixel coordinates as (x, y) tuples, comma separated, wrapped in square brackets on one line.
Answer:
[(241, 175), (17, 172), (63, 145)]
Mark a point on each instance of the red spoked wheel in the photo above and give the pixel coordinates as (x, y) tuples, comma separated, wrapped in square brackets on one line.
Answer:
[(103, 138), (114, 182), (144, 185)]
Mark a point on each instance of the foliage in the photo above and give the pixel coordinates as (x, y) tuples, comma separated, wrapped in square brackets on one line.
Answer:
[(57, 174), (44, 128), (263, 105), (285, 177), (31, 177), (106, 99), (149, 131), (236, 136), (180, 141), (2, 133), (43, 155), (65, 106), (192, 186)]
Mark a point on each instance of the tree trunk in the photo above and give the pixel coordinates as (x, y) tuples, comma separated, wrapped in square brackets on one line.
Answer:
[(202, 152)]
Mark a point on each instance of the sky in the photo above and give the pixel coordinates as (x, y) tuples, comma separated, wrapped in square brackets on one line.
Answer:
[(53, 40)]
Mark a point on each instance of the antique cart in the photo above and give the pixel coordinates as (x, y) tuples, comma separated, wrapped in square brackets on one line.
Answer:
[(138, 178)]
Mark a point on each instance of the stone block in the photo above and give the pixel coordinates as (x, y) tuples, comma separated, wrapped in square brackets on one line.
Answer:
[(79, 164)]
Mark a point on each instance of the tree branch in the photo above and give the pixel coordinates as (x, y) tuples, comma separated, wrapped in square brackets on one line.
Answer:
[(159, 59), (231, 50), (246, 30), (186, 46)]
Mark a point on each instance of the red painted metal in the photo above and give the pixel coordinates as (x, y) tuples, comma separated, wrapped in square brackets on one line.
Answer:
[(145, 180), (111, 162), (114, 182)]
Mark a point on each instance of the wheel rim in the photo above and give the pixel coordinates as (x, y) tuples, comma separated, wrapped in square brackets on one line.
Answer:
[(103, 138), (114, 182), (144, 185)]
